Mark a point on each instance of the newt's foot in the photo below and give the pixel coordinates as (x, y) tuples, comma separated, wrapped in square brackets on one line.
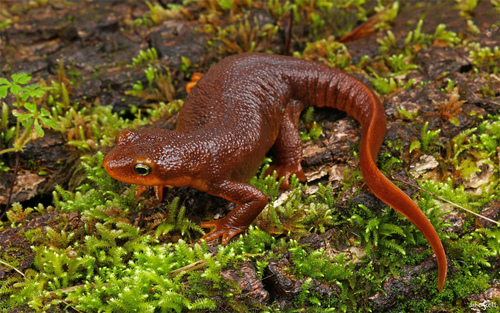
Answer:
[(139, 189), (194, 80), (222, 229), (158, 191), (287, 170)]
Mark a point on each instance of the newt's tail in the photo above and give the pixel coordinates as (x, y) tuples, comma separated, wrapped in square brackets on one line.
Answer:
[(359, 101), (386, 191)]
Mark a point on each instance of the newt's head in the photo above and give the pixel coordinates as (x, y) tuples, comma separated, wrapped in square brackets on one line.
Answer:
[(144, 157)]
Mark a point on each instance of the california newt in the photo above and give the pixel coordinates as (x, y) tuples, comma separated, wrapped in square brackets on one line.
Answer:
[(238, 110)]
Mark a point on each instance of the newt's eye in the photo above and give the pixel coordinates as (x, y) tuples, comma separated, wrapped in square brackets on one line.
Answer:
[(142, 169)]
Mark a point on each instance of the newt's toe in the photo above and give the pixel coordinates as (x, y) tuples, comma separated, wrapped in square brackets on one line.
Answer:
[(221, 230)]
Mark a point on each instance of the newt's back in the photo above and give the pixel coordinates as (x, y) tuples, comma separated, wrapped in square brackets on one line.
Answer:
[(246, 88)]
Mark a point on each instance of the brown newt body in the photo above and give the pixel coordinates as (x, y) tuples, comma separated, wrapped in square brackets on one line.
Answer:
[(239, 109)]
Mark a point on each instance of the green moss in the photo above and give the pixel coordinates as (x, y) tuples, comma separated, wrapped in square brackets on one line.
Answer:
[(158, 14), (484, 58), (315, 264), (329, 51), (145, 57), (159, 88), (176, 222)]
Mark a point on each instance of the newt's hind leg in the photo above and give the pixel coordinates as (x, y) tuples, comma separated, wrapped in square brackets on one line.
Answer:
[(289, 146)]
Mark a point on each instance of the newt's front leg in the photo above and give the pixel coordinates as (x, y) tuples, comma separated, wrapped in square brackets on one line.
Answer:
[(251, 201)]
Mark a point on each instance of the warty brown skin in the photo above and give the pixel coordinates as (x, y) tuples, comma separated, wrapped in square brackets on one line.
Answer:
[(242, 107)]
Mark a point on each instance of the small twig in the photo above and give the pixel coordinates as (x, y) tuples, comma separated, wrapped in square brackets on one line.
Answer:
[(447, 201), (71, 306), (66, 290), (54, 294), (12, 267), (190, 267)]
